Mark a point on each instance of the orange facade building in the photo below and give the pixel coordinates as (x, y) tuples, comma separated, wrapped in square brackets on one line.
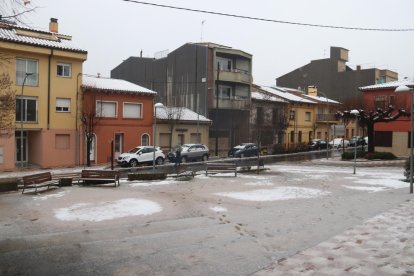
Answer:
[(115, 112)]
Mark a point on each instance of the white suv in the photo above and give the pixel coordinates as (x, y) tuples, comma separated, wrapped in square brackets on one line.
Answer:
[(142, 154)]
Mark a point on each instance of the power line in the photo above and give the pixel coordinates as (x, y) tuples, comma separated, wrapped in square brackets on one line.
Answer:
[(272, 20)]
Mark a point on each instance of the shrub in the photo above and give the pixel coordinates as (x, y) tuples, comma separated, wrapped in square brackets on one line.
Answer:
[(350, 155), (146, 176), (380, 155)]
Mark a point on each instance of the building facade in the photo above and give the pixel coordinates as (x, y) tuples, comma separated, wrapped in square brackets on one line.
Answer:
[(118, 115), (333, 76), (210, 79), (45, 69), (391, 136)]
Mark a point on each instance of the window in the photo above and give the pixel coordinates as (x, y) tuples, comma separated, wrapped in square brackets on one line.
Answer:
[(62, 105), (26, 109), (1, 155), (383, 138), (106, 109), (380, 102), (307, 116), (64, 70), (292, 115), (224, 92), (225, 64), (259, 116), (292, 136), (300, 136), (132, 110), (392, 100), (145, 140), (26, 66), (62, 141)]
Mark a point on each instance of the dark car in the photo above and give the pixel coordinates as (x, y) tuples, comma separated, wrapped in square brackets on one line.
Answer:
[(244, 150), (318, 144), (358, 140)]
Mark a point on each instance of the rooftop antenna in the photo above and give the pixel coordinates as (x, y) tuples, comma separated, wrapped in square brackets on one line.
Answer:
[(202, 26)]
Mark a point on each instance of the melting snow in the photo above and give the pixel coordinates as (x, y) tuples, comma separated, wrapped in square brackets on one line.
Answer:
[(108, 210), (45, 197), (218, 209), (279, 193), (365, 188)]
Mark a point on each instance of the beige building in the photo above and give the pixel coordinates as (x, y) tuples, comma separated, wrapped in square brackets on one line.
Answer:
[(45, 69), (180, 125)]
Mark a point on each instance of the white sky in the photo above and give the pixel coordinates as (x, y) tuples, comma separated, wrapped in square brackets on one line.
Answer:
[(113, 30)]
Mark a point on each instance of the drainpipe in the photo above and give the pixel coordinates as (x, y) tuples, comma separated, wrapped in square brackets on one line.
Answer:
[(77, 140), (48, 88)]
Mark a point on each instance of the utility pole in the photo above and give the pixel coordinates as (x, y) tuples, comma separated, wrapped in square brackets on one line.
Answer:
[(217, 106)]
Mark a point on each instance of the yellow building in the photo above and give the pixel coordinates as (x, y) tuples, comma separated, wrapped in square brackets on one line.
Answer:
[(45, 69)]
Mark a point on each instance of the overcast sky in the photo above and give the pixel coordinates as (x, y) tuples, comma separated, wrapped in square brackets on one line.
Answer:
[(113, 30)]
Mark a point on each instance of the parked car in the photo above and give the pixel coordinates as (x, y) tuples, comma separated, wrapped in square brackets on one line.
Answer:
[(194, 152), (339, 143), (318, 144), (244, 150), (358, 141), (141, 154)]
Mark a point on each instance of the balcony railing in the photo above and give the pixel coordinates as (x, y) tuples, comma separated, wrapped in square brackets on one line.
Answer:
[(235, 75), (232, 103), (326, 118)]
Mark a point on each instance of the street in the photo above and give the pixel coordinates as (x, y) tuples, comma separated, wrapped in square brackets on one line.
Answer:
[(215, 225)]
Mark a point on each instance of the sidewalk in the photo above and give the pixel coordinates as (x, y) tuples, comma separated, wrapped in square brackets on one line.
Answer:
[(383, 245)]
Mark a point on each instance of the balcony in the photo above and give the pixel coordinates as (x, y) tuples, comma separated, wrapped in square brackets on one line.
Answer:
[(243, 104), (235, 75), (326, 118)]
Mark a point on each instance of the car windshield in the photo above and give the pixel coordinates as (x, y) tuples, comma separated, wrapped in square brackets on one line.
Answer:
[(134, 150), (239, 147)]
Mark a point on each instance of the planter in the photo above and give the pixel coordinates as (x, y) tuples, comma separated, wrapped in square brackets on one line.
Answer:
[(8, 184), (65, 181), (146, 176)]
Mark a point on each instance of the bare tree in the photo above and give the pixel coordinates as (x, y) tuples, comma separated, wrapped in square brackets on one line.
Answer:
[(7, 103), (16, 10), (89, 120), (369, 119)]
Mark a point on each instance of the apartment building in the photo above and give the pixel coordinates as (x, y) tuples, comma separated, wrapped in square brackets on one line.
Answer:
[(45, 69), (211, 79), (333, 76)]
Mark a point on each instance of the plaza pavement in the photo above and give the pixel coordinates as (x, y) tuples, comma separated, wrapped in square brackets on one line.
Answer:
[(383, 245)]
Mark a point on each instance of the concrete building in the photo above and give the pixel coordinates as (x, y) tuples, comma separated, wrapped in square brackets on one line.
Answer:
[(390, 136), (210, 79), (45, 69), (335, 77)]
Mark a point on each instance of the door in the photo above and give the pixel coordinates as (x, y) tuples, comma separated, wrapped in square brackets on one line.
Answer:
[(21, 147), (118, 144), (92, 152)]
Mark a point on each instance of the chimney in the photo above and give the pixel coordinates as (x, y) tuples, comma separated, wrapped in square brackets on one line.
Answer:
[(358, 67), (53, 25), (312, 90)]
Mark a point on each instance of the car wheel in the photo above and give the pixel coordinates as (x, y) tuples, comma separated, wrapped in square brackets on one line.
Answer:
[(159, 161), (133, 163), (184, 159), (205, 157)]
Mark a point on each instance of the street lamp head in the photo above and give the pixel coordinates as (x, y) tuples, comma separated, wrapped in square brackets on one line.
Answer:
[(29, 74), (158, 105), (403, 88)]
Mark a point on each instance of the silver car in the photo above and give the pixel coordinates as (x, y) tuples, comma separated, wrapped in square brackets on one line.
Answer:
[(194, 152)]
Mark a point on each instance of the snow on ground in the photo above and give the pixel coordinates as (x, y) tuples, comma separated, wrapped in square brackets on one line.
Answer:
[(142, 183), (365, 188), (45, 197), (278, 193), (218, 209), (108, 210)]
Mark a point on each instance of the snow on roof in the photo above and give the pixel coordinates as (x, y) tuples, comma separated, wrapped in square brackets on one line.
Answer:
[(24, 35), (388, 85), (265, 97), (181, 113), (286, 95), (321, 99), (109, 84)]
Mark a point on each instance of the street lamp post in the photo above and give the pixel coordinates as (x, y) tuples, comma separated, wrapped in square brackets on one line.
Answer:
[(356, 113), (327, 124), (154, 134), (21, 120), (404, 88)]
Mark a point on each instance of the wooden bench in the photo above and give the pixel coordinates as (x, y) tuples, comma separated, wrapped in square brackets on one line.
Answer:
[(221, 167), (100, 176), (38, 180)]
